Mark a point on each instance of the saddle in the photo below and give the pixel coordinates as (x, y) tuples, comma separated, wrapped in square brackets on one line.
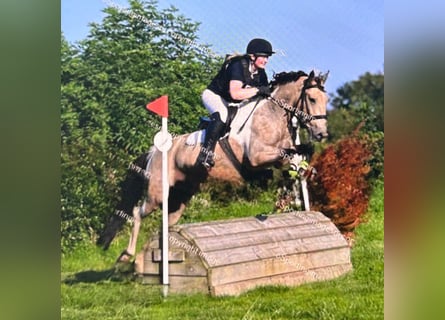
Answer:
[(231, 113)]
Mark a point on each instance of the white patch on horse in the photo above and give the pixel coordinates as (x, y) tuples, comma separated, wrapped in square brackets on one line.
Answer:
[(149, 158)]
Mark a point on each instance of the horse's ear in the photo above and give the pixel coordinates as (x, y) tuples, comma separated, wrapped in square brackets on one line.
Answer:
[(311, 75), (323, 77)]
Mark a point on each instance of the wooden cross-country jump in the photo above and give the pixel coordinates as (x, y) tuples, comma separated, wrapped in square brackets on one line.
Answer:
[(230, 257)]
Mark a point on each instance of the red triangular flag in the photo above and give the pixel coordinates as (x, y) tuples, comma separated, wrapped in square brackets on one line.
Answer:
[(159, 106)]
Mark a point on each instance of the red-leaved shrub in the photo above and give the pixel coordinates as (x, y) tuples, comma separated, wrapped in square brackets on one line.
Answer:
[(340, 189)]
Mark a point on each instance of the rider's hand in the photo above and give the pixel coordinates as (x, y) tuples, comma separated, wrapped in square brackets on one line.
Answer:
[(264, 91)]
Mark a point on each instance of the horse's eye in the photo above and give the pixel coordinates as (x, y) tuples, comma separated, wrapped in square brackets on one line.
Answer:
[(312, 100)]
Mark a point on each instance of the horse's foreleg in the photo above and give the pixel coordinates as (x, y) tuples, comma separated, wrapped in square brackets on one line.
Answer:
[(261, 154)]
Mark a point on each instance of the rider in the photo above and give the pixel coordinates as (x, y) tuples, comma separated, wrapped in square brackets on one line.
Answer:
[(240, 78)]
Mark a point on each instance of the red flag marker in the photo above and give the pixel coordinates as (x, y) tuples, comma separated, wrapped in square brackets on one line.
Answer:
[(159, 106), (163, 141)]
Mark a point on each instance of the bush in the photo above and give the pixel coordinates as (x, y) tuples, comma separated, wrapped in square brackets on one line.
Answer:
[(106, 81), (340, 189), (375, 143)]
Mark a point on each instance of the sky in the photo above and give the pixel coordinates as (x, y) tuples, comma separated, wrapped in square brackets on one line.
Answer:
[(345, 37)]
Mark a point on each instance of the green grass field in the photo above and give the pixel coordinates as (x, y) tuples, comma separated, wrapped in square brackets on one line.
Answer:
[(91, 290)]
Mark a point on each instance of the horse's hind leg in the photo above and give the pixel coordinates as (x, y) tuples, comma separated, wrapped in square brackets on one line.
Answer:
[(173, 217), (179, 195), (138, 214), (132, 189), (176, 208)]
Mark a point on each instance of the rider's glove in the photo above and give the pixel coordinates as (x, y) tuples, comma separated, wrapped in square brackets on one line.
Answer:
[(264, 91)]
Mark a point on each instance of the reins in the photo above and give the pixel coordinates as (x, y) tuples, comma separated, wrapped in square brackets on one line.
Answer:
[(245, 121), (304, 117)]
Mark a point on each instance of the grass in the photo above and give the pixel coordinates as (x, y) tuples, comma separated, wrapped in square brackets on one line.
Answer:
[(91, 290)]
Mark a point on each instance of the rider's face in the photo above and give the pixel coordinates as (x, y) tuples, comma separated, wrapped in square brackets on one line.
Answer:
[(261, 61)]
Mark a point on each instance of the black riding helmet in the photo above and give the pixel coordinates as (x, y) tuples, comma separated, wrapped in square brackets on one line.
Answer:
[(259, 47)]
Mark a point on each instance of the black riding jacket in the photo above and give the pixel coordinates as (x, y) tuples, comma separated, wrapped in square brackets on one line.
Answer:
[(236, 68)]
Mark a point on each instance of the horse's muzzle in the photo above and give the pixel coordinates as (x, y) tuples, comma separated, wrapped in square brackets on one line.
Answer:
[(321, 136)]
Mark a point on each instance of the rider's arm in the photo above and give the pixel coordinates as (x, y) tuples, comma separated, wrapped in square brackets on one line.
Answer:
[(237, 92), (237, 82)]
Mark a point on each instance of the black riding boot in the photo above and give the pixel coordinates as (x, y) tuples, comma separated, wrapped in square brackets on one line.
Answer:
[(213, 133)]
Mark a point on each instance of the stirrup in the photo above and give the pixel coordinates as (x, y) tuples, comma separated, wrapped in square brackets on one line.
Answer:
[(208, 165), (208, 162)]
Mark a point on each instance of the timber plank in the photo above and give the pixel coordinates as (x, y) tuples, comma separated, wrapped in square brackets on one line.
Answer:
[(278, 265), (234, 226), (266, 235), (288, 279), (273, 249), (191, 266), (188, 285), (174, 255)]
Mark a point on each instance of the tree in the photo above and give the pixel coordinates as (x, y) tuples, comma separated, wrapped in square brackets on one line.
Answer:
[(360, 104), (369, 89), (132, 57), (357, 101)]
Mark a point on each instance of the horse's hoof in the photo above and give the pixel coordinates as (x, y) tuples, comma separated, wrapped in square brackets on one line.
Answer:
[(125, 257)]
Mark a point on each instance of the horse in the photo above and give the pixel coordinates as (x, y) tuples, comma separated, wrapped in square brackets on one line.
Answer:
[(261, 135)]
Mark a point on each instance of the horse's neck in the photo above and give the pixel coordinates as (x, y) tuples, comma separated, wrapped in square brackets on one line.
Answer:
[(270, 125), (264, 134), (241, 126), (266, 130), (287, 93)]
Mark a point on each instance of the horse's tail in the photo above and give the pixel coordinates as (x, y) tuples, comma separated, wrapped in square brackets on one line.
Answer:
[(132, 189)]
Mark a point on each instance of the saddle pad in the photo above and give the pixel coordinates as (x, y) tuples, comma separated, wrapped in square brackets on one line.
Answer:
[(195, 137)]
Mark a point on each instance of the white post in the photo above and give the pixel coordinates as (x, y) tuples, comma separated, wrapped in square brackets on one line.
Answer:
[(165, 189), (303, 182), (163, 142), (305, 194)]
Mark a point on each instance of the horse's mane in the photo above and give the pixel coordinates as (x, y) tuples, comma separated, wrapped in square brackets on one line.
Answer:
[(286, 77)]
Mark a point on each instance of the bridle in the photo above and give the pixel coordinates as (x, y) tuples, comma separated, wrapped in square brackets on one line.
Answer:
[(292, 111), (296, 111), (303, 117)]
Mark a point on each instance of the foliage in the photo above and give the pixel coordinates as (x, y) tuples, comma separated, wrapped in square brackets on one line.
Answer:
[(358, 101), (340, 189), (375, 144), (368, 89), (106, 81)]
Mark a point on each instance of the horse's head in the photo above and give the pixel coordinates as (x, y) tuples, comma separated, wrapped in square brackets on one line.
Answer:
[(313, 101), (307, 99)]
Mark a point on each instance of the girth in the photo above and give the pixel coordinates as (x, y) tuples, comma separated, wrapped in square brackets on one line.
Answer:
[(243, 167)]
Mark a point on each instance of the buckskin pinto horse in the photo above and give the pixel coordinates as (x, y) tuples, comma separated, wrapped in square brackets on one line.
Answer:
[(260, 134)]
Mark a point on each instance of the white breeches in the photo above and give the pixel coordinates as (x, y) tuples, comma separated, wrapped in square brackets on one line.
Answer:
[(215, 103)]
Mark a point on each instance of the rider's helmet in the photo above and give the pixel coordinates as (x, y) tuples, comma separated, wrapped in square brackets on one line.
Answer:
[(259, 47)]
